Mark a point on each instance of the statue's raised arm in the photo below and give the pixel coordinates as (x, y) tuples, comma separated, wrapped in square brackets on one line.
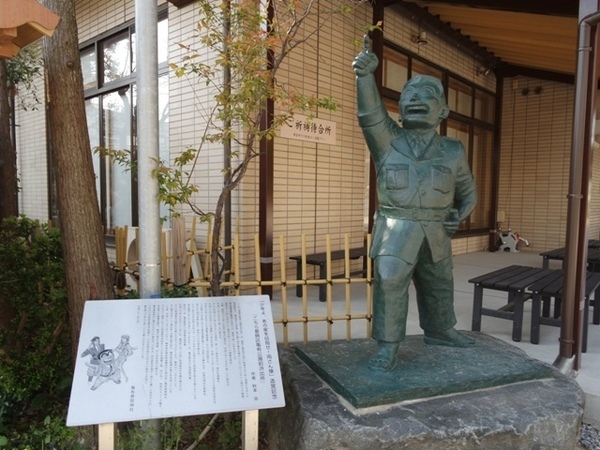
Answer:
[(364, 66)]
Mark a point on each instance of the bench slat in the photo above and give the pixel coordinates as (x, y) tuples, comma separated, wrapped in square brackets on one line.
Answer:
[(497, 274), (316, 259)]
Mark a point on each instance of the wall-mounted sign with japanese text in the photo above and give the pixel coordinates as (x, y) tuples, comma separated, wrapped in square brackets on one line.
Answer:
[(156, 358), (305, 128)]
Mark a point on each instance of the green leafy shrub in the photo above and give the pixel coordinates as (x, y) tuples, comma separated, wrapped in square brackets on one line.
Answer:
[(35, 364)]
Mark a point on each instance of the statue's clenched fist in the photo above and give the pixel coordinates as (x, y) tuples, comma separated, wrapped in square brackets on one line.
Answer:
[(366, 61)]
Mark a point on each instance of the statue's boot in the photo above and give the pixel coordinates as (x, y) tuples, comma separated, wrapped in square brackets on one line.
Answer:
[(385, 357), (450, 338)]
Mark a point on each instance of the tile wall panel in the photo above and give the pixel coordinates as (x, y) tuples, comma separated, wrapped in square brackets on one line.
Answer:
[(322, 189), (32, 161), (534, 166)]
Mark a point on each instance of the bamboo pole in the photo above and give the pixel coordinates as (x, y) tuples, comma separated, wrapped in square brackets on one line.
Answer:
[(347, 290), (164, 264), (191, 250), (304, 293), (369, 287), (284, 300), (178, 250), (257, 264), (329, 289), (136, 246), (236, 263), (284, 283)]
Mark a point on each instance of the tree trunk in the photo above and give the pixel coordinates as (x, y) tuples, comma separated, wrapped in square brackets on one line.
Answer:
[(87, 271), (8, 158)]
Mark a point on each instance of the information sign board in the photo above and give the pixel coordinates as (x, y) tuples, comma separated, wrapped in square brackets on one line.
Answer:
[(156, 358)]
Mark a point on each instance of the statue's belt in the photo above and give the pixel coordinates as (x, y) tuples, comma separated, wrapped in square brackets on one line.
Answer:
[(436, 215)]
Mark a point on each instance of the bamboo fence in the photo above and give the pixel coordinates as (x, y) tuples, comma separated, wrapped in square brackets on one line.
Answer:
[(194, 267)]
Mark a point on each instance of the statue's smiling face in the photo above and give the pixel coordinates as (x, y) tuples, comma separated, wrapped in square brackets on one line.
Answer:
[(422, 103)]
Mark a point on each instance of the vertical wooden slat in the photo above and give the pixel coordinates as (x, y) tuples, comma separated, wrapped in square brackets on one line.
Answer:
[(191, 251), (236, 262), (136, 246), (257, 271), (329, 286), (164, 257), (304, 293), (178, 250), (284, 300), (121, 260), (369, 287), (347, 290), (207, 262)]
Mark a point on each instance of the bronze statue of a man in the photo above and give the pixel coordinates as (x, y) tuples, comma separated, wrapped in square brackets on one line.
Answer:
[(425, 189)]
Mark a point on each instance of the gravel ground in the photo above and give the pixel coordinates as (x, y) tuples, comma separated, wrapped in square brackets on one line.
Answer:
[(589, 437)]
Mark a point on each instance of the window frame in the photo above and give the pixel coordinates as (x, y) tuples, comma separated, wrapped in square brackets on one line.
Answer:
[(100, 90)]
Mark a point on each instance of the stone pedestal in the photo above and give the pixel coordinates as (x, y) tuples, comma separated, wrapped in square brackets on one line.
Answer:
[(491, 396)]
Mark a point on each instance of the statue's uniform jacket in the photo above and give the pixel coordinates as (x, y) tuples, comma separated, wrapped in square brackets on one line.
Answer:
[(416, 193), (436, 181)]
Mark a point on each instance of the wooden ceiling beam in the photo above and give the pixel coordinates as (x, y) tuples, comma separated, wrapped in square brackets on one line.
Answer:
[(564, 8), (499, 18), (493, 29), (566, 69), (562, 65), (515, 34), (513, 70), (539, 53), (514, 41)]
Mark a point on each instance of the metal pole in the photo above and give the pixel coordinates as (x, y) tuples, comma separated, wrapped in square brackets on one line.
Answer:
[(575, 260), (146, 22)]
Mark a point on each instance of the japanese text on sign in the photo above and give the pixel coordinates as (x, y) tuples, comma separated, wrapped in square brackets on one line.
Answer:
[(310, 129), (174, 357)]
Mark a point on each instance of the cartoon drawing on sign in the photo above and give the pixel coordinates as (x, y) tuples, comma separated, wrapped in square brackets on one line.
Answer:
[(124, 350), (108, 369), (93, 350), (104, 365)]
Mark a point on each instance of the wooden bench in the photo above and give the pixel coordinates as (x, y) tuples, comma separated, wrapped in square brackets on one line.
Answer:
[(320, 259), (559, 254), (552, 287), (514, 280)]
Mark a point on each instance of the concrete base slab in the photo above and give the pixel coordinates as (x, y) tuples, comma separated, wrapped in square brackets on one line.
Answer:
[(542, 413), (422, 370)]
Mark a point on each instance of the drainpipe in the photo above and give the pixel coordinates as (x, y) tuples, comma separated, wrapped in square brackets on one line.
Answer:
[(576, 239)]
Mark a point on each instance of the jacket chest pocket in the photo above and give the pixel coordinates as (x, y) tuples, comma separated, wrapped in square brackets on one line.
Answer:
[(442, 179), (396, 176)]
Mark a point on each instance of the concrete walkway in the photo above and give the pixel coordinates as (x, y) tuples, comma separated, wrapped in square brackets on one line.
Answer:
[(465, 267)]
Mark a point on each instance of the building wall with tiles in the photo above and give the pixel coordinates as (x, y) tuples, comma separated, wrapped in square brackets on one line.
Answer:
[(535, 159), (190, 102), (32, 157), (95, 18), (321, 189)]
